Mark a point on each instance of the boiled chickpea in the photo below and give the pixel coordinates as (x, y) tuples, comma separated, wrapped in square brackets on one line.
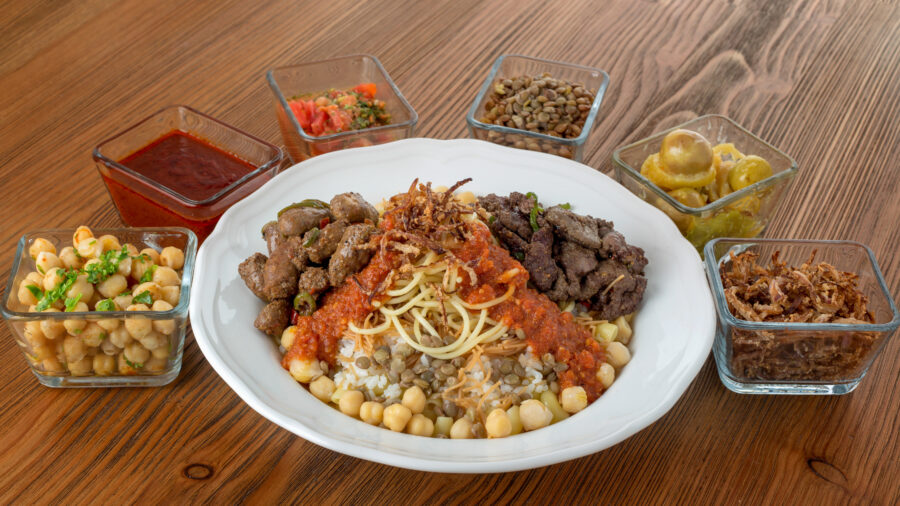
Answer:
[(514, 421), (461, 429), (81, 367), (396, 416), (53, 277), (305, 370), (139, 266), (420, 425), (288, 336), (123, 300), (122, 365), (617, 354), (52, 328), (166, 276), (139, 326), (124, 267), (109, 243), (172, 257), (534, 414), (606, 374), (371, 412), (152, 253), (51, 365), (136, 354), (69, 258), (44, 352), (153, 340), (171, 294), (89, 248), (156, 364), (46, 261), (414, 399), (442, 425), (81, 233), (81, 287), (162, 351), (33, 333), (74, 349), (351, 402), (104, 365), (112, 286), (573, 399), (163, 326), (107, 347), (120, 337), (151, 287), (109, 324), (39, 246), (74, 326), (322, 388), (33, 280), (497, 424), (131, 248)]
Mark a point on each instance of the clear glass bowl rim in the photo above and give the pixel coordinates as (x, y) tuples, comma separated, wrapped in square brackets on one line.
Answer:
[(413, 115), (273, 162), (712, 272), (588, 124), (716, 204), (181, 310)]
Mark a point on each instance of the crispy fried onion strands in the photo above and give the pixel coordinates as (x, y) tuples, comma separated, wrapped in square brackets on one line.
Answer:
[(425, 311)]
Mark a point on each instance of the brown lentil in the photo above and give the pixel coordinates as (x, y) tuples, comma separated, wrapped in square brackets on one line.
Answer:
[(448, 369), (450, 408), (363, 362), (511, 379), (478, 430), (518, 369)]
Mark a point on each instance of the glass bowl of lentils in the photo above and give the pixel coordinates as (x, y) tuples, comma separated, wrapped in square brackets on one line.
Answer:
[(536, 104)]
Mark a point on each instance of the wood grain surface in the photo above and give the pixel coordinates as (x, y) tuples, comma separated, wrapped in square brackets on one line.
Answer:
[(819, 79)]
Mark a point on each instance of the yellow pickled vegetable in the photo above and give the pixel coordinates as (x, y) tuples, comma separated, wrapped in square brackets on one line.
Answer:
[(689, 197), (685, 159), (748, 170)]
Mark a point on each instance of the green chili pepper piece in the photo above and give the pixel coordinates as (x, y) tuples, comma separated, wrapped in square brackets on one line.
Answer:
[(305, 298), (318, 204)]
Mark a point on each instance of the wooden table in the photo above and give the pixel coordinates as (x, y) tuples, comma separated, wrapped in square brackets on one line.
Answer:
[(819, 79)]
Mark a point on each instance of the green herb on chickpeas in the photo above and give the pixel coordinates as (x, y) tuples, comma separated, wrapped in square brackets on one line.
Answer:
[(133, 365), (148, 274), (37, 292), (143, 298), (68, 278), (105, 305), (71, 302)]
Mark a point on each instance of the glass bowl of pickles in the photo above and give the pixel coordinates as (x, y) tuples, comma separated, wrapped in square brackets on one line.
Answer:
[(711, 176)]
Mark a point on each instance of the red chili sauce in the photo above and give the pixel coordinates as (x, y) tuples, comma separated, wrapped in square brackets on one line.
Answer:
[(547, 328), (187, 165), (318, 335)]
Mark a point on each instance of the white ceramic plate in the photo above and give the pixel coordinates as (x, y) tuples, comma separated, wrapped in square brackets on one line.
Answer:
[(673, 330)]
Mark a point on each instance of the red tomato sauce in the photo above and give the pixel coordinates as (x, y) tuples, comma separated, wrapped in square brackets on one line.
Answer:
[(547, 328), (318, 335), (185, 164)]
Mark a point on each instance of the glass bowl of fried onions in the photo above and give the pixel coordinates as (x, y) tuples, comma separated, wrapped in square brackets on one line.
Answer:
[(712, 208)]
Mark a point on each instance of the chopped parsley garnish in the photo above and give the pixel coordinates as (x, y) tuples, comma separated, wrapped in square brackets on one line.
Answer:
[(71, 302), (37, 292), (103, 335), (566, 206), (143, 298), (105, 305), (133, 365), (67, 279), (107, 266), (148, 274), (492, 219)]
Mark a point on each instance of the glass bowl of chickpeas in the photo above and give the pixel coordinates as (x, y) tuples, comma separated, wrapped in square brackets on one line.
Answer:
[(104, 307), (711, 176)]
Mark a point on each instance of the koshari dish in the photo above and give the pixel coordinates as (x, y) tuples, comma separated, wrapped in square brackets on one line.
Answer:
[(419, 320), (811, 293)]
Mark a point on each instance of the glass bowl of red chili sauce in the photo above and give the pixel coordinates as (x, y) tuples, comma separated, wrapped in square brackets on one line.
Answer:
[(340, 103), (180, 167)]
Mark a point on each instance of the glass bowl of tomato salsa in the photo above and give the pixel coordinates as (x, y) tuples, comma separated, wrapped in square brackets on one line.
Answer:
[(340, 103), (180, 167)]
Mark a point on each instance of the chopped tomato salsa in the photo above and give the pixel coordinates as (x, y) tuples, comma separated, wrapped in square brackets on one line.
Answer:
[(336, 111)]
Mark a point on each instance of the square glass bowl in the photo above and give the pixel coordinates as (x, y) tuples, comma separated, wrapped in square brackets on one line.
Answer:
[(511, 66), (108, 365), (147, 200), (799, 358), (339, 73), (744, 213)]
